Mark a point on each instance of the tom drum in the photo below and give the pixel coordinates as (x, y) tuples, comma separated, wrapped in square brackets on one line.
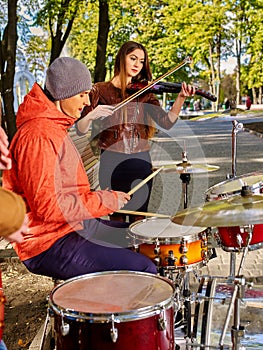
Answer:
[(114, 311), (169, 244), (234, 238)]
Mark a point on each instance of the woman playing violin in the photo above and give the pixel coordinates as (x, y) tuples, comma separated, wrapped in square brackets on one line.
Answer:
[(123, 139)]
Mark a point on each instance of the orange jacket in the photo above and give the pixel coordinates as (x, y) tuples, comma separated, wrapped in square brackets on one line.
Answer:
[(48, 173)]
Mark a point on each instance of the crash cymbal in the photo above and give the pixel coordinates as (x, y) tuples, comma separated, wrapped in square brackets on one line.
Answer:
[(184, 167), (235, 211)]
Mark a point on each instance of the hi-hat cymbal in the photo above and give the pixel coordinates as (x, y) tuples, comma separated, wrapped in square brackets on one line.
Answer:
[(184, 167), (234, 185), (234, 211)]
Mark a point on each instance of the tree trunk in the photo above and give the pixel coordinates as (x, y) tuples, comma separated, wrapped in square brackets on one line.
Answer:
[(59, 39), (63, 25), (218, 55), (7, 62), (213, 75), (254, 95), (104, 25), (260, 101)]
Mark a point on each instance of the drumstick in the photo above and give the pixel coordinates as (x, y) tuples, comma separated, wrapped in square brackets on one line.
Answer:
[(131, 212), (137, 187)]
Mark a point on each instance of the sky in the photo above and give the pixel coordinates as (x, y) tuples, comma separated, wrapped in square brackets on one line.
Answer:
[(229, 65)]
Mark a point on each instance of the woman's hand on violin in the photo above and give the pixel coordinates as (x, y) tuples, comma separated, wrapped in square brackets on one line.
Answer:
[(187, 90)]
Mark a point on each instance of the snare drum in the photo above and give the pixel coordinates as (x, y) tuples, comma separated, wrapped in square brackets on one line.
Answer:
[(169, 244), (234, 238), (114, 311)]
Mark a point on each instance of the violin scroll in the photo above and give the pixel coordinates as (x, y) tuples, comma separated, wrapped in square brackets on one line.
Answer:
[(188, 60)]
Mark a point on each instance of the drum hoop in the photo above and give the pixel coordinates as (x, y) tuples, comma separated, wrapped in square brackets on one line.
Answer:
[(166, 240), (251, 247), (129, 315), (135, 315)]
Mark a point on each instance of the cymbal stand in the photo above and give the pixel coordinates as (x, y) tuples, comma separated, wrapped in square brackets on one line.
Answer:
[(185, 177), (236, 128), (237, 331)]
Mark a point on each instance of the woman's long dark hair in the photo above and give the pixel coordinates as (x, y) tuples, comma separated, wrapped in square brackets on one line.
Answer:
[(120, 67)]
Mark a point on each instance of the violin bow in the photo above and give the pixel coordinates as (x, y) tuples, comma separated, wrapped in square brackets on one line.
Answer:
[(187, 60)]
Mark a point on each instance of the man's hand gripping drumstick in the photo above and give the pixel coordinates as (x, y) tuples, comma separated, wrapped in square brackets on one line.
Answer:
[(123, 198)]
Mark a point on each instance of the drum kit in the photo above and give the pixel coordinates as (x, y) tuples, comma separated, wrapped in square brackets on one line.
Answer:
[(143, 311)]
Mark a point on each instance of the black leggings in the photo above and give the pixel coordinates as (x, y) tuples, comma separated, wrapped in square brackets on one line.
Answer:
[(121, 172)]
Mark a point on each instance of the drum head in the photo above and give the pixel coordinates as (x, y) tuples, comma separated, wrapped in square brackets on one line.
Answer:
[(106, 293), (233, 186), (150, 229)]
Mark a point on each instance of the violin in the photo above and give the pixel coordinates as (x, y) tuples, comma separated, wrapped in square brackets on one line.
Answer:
[(162, 87), (187, 60)]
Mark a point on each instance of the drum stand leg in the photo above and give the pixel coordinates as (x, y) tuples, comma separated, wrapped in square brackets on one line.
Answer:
[(187, 305), (184, 314), (237, 331), (232, 271), (44, 335)]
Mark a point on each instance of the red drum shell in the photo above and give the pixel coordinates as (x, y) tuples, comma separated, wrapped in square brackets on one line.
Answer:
[(138, 302), (228, 237), (140, 335)]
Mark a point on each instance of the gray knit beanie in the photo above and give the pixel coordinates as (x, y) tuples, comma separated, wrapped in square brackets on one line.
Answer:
[(67, 77)]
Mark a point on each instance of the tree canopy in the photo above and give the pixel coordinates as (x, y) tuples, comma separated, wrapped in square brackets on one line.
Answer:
[(207, 30)]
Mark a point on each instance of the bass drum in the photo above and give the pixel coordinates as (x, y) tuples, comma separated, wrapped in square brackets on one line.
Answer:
[(114, 311)]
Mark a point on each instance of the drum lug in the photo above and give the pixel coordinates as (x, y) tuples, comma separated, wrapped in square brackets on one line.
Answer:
[(204, 254), (203, 238), (157, 260), (136, 248), (162, 322), (184, 260), (64, 326), (216, 236), (113, 330), (157, 250), (171, 259), (204, 244), (239, 240), (183, 247)]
